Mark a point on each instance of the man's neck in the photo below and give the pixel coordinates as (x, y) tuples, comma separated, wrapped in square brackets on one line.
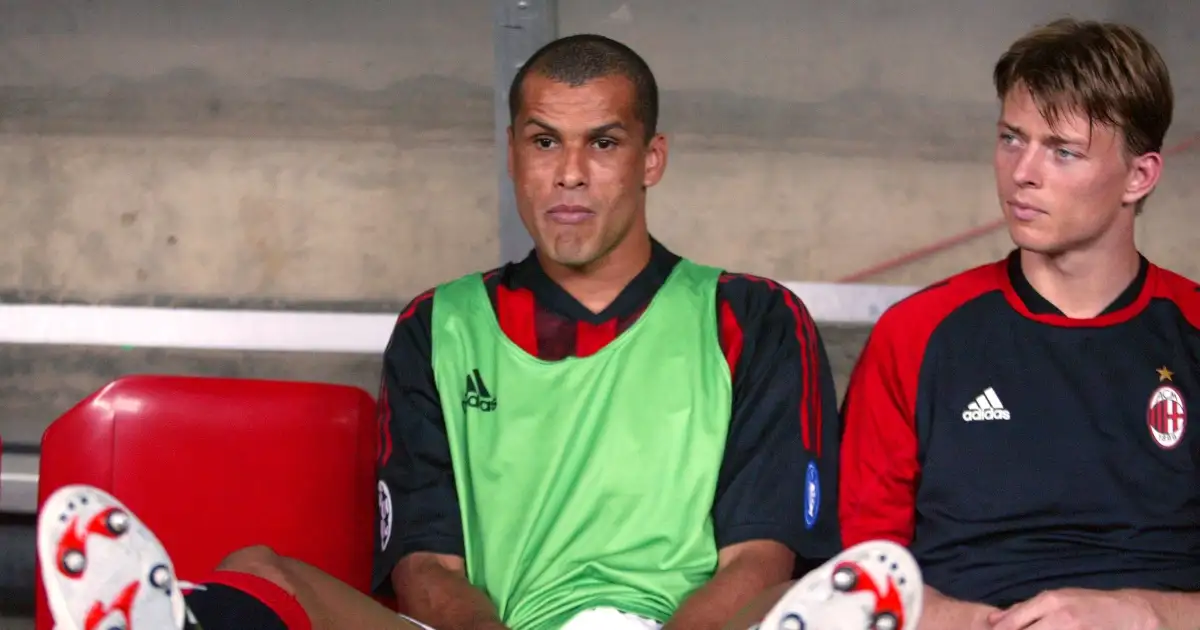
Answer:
[(1082, 283), (597, 284)]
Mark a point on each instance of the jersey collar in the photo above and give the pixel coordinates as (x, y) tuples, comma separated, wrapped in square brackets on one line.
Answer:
[(1030, 303), (528, 274)]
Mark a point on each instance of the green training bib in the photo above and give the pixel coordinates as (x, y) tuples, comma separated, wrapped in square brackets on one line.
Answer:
[(589, 481)]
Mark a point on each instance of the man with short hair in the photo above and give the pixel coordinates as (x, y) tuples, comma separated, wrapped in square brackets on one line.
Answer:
[(603, 435), (603, 427), (1023, 426)]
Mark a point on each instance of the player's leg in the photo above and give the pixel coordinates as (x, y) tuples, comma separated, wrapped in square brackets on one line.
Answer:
[(875, 585), (102, 567), (329, 603), (231, 599)]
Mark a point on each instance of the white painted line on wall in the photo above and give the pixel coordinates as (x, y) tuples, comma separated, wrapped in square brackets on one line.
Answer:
[(141, 327), (290, 331), (837, 303)]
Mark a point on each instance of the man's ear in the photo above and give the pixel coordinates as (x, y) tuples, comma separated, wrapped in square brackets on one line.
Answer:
[(1144, 173), (656, 160)]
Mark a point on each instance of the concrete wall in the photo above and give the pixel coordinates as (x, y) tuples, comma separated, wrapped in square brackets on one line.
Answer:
[(343, 150), (336, 150)]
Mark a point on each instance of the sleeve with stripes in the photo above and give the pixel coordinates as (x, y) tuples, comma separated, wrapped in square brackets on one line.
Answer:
[(778, 479), (418, 501)]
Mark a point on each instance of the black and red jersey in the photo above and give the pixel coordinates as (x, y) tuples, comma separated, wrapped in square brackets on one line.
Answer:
[(1016, 450), (784, 411)]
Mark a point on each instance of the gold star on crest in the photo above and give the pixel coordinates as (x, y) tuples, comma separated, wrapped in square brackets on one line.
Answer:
[(1164, 374)]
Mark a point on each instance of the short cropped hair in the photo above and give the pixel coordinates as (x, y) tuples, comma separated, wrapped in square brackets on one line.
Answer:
[(577, 59), (1106, 71)]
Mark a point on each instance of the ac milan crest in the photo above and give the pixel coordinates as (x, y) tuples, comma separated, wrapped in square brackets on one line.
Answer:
[(1166, 416)]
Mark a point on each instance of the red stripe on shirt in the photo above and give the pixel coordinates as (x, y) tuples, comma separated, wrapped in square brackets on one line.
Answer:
[(591, 338), (516, 311), (810, 407), (732, 336), (805, 331)]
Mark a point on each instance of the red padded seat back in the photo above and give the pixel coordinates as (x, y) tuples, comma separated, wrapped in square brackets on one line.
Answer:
[(213, 465)]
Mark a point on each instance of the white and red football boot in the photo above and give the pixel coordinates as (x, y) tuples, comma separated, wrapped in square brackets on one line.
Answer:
[(102, 568), (875, 585)]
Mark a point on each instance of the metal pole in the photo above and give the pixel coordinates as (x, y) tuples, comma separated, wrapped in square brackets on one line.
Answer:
[(520, 27)]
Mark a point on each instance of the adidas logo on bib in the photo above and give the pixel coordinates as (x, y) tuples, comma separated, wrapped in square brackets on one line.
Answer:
[(477, 395)]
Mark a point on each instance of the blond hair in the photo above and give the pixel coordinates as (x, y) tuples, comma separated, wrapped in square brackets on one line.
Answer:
[(1106, 71)]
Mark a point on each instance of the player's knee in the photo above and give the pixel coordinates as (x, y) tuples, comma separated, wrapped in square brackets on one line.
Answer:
[(260, 561)]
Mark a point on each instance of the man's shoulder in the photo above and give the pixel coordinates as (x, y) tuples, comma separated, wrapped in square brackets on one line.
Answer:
[(919, 314), (756, 297), (418, 313), (1181, 291), (420, 307), (423, 302), (749, 282)]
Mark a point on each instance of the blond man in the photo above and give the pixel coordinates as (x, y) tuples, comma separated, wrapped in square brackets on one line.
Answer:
[(1023, 426)]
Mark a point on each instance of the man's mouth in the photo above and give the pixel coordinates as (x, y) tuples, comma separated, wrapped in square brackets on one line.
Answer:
[(569, 215), (1024, 212)]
